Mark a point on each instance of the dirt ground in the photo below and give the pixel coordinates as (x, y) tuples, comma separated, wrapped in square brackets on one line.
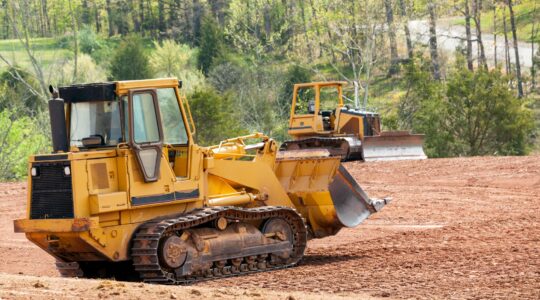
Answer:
[(464, 228)]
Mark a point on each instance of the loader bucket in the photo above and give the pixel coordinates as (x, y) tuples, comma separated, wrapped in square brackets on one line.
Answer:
[(351, 203), (323, 191), (394, 145)]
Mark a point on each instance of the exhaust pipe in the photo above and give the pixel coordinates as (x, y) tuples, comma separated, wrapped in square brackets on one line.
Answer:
[(57, 116)]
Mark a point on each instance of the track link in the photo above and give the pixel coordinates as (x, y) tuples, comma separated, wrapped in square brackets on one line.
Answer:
[(146, 243)]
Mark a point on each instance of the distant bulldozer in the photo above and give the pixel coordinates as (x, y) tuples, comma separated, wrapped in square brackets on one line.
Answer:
[(128, 193), (319, 119)]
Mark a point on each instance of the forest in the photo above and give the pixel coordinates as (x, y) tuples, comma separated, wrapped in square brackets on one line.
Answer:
[(462, 72)]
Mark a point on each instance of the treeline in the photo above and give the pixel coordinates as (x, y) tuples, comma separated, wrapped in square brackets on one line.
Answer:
[(238, 60)]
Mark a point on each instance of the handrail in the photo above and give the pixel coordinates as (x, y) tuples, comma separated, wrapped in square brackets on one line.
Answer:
[(192, 123)]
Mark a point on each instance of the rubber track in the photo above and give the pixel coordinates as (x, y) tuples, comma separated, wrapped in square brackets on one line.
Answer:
[(146, 242)]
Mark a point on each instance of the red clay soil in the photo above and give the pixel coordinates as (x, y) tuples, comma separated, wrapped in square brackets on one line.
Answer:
[(464, 228)]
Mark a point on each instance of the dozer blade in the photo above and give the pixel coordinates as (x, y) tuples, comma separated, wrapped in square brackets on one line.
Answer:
[(394, 145), (351, 203)]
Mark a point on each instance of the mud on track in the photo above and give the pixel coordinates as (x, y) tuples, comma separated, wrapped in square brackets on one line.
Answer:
[(457, 228)]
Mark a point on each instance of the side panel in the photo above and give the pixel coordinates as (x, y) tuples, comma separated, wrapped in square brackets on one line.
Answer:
[(255, 175)]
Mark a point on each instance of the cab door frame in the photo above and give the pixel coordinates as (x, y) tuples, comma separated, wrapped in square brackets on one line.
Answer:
[(143, 151)]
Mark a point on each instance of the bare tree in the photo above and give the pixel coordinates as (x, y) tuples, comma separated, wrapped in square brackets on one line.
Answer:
[(516, 49), (405, 16), (75, 40), (17, 13), (506, 46), (433, 49), (534, 32), (391, 36), (468, 35), (477, 8), (109, 17), (495, 33)]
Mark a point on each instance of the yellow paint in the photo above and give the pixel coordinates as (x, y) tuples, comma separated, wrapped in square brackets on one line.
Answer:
[(109, 191)]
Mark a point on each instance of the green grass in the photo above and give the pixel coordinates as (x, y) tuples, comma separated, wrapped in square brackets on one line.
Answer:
[(524, 16), (45, 50)]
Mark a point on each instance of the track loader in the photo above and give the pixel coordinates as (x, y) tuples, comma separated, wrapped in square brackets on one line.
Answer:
[(319, 119), (127, 192)]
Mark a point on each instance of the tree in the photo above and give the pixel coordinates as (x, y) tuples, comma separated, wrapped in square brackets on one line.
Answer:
[(217, 114), (210, 45), (477, 9), (483, 115), (391, 36), (433, 49), (516, 49), (130, 61), (472, 113), (405, 16)]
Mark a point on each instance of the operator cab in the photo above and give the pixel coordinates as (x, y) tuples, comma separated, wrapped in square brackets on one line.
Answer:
[(314, 106), (150, 121)]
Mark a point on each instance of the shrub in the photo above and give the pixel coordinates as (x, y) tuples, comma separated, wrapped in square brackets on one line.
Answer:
[(130, 61)]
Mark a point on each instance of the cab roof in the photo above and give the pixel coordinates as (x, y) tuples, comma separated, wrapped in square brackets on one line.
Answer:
[(108, 91)]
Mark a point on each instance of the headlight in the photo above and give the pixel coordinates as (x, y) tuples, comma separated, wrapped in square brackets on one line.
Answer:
[(34, 171), (67, 170)]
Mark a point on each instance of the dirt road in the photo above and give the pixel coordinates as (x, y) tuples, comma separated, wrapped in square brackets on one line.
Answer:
[(457, 228)]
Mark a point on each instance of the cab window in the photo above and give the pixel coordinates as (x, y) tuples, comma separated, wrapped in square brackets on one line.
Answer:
[(305, 101), (174, 130), (145, 123), (329, 98)]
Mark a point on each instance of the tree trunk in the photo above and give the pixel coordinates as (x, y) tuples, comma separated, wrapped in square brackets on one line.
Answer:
[(85, 10), (109, 17), (391, 36), (197, 20), (44, 5), (317, 30), (187, 23), (506, 47), (218, 8), (534, 31), (75, 42), (468, 35), (433, 49), (161, 17), (406, 28), (516, 49), (96, 18), (308, 42), (141, 17), (495, 34), (482, 62)]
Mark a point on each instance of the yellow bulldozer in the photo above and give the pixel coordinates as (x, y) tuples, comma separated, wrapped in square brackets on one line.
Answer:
[(319, 119), (127, 193)]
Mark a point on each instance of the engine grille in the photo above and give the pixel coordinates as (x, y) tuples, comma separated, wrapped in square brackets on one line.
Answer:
[(52, 195)]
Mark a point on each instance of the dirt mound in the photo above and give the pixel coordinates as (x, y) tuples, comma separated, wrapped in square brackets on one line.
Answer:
[(457, 228)]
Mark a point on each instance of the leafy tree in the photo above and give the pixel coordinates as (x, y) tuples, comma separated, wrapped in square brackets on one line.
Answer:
[(295, 74), (474, 113), (170, 59), (18, 86), (484, 115), (421, 108), (130, 61), (19, 138), (210, 45), (215, 116), (88, 71)]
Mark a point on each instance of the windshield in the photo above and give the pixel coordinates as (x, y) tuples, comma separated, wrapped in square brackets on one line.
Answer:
[(329, 98), (95, 119)]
